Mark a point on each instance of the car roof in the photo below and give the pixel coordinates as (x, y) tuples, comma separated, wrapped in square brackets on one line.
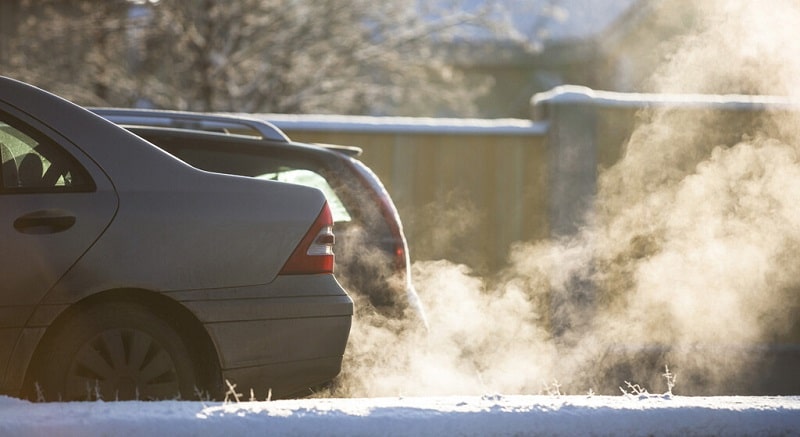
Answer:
[(162, 136), (204, 123), (192, 121)]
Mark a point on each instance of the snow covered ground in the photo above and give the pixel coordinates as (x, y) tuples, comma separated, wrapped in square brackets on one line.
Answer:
[(627, 415)]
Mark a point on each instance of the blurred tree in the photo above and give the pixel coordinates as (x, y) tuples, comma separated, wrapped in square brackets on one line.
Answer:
[(72, 47), (292, 56), (301, 56)]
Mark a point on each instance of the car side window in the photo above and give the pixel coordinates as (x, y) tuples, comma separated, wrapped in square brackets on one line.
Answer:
[(32, 163)]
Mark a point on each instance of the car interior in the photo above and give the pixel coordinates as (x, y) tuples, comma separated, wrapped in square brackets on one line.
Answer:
[(8, 168), (32, 165)]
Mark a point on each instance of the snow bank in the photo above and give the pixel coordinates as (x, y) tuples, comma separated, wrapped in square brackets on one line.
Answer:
[(488, 415), (575, 94)]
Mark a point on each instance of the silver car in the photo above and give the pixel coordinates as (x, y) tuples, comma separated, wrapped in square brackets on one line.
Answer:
[(372, 253), (128, 274)]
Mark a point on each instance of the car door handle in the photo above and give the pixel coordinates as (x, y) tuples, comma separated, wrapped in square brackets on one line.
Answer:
[(48, 221)]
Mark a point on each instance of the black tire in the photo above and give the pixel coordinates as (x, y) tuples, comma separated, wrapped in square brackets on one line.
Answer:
[(114, 351)]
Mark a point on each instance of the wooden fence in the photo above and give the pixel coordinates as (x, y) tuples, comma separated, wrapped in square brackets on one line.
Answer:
[(466, 190)]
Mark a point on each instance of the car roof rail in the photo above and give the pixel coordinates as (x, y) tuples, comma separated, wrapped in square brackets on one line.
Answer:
[(192, 121), (346, 150)]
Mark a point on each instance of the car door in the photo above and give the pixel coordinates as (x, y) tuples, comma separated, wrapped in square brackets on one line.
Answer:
[(54, 203)]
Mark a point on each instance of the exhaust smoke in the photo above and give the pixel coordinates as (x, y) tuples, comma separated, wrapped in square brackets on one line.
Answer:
[(688, 257)]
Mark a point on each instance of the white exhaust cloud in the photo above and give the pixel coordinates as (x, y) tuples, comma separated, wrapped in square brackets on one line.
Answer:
[(691, 249)]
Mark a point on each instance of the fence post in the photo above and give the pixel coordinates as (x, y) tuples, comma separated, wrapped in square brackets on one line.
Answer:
[(572, 150)]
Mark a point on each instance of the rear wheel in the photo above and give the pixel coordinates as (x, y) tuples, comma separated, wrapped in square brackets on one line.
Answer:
[(115, 351)]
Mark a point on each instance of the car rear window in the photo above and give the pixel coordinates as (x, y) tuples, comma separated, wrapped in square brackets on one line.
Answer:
[(269, 167), (311, 179)]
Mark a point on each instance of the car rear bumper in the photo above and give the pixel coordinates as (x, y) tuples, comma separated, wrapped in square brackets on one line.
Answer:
[(285, 356), (285, 336)]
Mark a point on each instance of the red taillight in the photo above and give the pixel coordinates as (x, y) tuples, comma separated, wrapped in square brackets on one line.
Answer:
[(393, 221), (314, 254), (399, 256), (388, 211)]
